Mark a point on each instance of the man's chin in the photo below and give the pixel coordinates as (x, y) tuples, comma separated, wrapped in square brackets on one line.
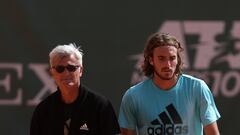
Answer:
[(167, 77)]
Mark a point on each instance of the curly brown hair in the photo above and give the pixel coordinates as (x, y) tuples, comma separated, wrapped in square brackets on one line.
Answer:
[(156, 40)]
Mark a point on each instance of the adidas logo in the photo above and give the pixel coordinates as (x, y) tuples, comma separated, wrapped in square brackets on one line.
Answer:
[(170, 123), (84, 127)]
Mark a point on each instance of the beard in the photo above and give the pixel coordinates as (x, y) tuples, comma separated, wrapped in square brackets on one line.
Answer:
[(165, 76)]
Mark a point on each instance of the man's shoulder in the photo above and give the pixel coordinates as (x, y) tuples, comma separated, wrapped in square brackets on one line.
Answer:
[(93, 96), (46, 105), (189, 77), (53, 97), (193, 82), (139, 87)]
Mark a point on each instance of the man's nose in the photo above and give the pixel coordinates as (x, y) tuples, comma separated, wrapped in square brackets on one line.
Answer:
[(167, 63)]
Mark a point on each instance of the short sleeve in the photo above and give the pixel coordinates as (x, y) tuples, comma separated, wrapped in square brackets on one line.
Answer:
[(208, 109), (127, 117)]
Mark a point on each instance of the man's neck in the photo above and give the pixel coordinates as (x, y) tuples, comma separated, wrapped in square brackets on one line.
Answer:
[(164, 84), (69, 95)]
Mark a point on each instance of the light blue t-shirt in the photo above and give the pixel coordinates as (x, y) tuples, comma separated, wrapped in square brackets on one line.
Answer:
[(182, 110)]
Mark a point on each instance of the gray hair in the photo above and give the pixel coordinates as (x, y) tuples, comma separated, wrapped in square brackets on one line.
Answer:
[(66, 50)]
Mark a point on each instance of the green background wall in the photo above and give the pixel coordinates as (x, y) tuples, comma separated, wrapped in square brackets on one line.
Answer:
[(112, 35)]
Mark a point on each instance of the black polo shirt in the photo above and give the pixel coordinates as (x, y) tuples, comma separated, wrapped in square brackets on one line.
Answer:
[(90, 114)]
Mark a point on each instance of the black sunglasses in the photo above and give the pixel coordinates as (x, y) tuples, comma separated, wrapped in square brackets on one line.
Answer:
[(70, 68)]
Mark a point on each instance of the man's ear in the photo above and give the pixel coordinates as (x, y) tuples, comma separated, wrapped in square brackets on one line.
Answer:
[(81, 70), (50, 71)]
